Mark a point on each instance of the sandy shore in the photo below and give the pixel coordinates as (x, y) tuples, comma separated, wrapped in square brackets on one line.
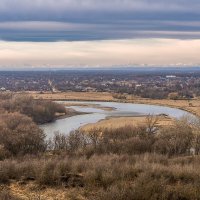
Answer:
[(90, 105), (70, 113)]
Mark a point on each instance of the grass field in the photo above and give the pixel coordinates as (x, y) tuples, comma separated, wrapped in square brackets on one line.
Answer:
[(119, 122), (84, 96)]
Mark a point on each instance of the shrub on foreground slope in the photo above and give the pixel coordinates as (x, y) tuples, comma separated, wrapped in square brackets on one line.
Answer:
[(20, 135), (119, 177)]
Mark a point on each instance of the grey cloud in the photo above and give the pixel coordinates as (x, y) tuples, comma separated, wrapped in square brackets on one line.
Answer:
[(106, 5), (57, 10), (122, 29), (52, 20)]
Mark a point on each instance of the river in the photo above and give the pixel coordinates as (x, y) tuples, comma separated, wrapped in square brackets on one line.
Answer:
[(94, 115)]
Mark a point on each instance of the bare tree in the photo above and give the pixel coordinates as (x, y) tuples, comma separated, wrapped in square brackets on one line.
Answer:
[(94, 136), (152, 124)]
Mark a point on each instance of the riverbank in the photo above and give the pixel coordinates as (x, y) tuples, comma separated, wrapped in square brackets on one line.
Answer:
[(125, 111), (96, 106), (192, 106), (69, 113)]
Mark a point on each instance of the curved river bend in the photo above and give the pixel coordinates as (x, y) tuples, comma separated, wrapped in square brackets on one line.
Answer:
[(94, 115)]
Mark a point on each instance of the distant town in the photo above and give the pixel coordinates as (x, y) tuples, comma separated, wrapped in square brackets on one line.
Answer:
[(160, 84)]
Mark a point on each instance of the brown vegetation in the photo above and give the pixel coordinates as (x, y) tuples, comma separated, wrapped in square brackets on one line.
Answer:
[(118, 122), (80, 96), (41, 111), (143, 162), (119, 177), (19, 135), (131, 162)]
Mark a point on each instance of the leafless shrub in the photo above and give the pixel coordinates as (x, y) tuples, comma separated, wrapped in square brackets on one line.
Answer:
[(175, 140), (41, 111), (19, 135), (152, 124)]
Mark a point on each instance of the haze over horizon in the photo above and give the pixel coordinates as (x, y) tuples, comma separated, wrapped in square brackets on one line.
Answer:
[(66, 33)]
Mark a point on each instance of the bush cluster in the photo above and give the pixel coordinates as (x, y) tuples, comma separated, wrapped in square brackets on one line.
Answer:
[(41, 111), (179, 139)]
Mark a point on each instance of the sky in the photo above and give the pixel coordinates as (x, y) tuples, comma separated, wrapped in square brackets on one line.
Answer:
[(99, 33)]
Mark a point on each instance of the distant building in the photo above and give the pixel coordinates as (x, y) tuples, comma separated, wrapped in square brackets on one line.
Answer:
[(138, 85), (170, 76), (2, 89)]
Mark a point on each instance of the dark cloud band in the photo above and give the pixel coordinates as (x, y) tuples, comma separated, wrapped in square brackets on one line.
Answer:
[(74, 20)]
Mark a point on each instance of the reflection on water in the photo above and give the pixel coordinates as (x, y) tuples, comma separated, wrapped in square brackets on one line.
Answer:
[(96, 114), (70, 124)]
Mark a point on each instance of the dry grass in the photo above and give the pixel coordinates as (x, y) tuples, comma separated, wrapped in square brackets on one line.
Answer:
[(31, 191), (84, 96), (119, 122), (120, 177)]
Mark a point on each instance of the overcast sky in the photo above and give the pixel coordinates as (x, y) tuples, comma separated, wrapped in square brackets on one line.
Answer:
[(67, 33)]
